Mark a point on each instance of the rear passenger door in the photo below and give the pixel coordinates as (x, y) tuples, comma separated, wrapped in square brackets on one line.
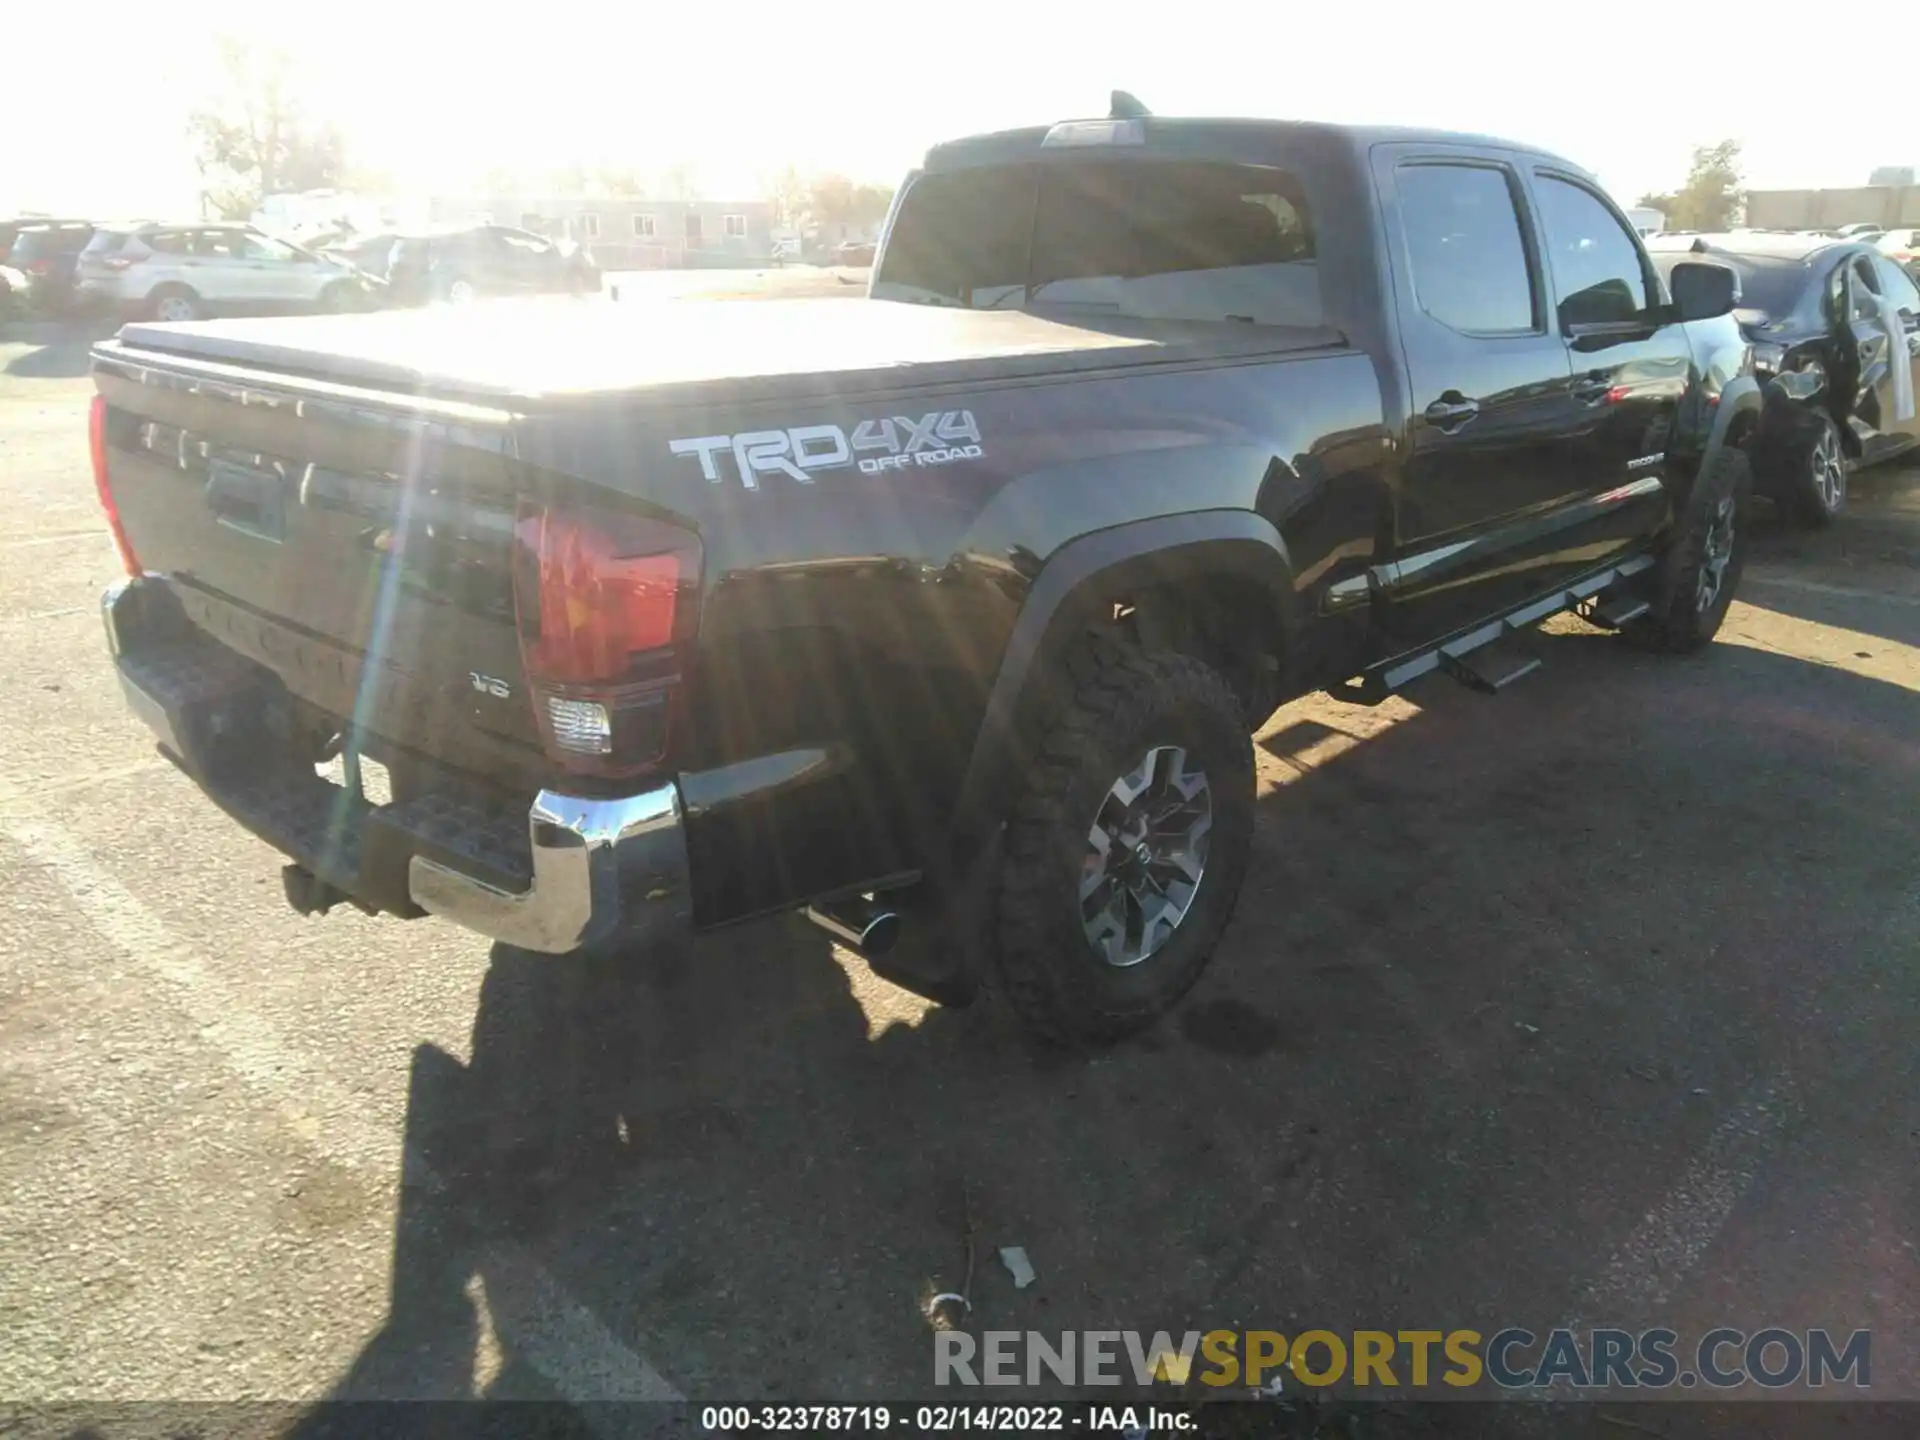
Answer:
[(170, 260), (224, 275), (1486, 454)]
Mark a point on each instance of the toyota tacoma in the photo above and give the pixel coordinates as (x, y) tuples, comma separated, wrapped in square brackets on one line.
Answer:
[(947, 613)]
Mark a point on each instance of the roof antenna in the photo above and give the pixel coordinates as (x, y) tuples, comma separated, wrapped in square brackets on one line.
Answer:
[(1127, 107)]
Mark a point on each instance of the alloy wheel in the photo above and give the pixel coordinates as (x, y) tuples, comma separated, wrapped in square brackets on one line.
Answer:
[(1829, 470), (1146, 855), (1715, 555)]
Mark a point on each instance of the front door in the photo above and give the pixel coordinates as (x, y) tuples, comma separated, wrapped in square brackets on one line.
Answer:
[(1485, 458), (1901, 407), (1867, 359), (1631, 367)]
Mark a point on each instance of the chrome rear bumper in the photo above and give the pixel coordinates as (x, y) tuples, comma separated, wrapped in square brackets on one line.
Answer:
[(585, 869), (600, 868)]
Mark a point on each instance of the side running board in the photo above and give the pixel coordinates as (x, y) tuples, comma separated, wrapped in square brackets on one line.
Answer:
[(1491, 670)]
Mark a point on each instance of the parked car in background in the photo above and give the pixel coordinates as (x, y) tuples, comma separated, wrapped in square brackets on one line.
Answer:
[(1903, 248), (44, 253), (369, 254), (1860, 230), (1814, 308), (853, 252), (11, 228), (13, 290), (487, 260), (184, 272)]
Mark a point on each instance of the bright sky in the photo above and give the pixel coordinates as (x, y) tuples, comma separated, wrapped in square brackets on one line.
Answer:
[(437, 95)]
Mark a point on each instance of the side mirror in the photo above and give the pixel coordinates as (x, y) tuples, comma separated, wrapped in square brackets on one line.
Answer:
[(1701, 291)]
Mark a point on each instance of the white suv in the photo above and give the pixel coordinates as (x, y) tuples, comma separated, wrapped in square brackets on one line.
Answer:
[(182, 272)]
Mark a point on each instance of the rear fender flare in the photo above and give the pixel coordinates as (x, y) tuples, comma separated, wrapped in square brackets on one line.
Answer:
[(1067, 597)]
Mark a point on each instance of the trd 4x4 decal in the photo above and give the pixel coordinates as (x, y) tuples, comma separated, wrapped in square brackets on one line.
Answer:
[(895, 442)]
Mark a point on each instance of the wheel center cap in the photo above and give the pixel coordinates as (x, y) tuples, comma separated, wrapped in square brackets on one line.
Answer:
[(1142, 853)]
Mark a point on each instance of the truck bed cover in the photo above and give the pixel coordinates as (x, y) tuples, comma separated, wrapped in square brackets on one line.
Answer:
[(557, 348)]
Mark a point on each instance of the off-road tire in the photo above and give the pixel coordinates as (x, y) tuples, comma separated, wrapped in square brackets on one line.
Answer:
[(1814, 476), (1677, 623), (1125, 702)]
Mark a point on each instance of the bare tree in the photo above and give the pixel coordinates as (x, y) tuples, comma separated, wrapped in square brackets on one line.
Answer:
[(254, 140), (839, 204)]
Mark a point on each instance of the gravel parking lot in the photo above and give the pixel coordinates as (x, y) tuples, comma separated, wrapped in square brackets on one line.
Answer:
[(1594, 1001)]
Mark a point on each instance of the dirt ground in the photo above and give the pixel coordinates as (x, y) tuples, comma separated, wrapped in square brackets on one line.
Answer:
[(1594, 1001)]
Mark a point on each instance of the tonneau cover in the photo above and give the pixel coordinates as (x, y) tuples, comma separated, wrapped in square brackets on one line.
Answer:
[(562, 347)]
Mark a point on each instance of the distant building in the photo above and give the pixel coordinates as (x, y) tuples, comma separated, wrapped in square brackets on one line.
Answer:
[(295, 214), (1885, 205), (1646, 220), (626, 233), (1892, 175)]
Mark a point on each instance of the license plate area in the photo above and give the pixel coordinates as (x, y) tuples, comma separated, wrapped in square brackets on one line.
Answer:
[(247, 500)]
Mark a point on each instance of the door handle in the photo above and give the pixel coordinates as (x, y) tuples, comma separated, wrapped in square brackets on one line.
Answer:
[(1445, 414), (1592, 389)]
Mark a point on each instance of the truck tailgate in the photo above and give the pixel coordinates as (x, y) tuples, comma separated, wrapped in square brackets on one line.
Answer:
[(360, 551)]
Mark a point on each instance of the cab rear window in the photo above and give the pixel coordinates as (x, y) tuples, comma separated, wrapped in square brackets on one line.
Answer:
[(1137, 238)]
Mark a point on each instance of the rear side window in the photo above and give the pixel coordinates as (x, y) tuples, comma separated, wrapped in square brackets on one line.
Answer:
[(1465, 249), (962, 237), (1139, 238), (1595, 263), (171, 242), (105, 242), (221, 244)]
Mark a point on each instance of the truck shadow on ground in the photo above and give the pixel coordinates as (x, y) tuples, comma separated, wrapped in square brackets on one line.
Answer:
[(1499, 969), (61, 347)]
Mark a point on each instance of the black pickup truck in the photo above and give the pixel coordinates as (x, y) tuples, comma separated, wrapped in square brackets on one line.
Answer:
[(947, 613)]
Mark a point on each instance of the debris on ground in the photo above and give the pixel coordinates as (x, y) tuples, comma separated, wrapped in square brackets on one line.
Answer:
[(1014, 1257)]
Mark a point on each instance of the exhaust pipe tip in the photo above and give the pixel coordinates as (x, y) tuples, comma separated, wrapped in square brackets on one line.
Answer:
[(858, 923)]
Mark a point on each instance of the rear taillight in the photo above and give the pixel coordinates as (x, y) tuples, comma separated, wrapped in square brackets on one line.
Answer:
[(121, 262), (97, 443), (607, 606)]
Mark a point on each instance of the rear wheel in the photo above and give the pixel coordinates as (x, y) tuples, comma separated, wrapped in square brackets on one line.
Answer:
[(462, 292), (1701, 569), (1126, 850), (175, 303), (339, 298), (1816, 481)]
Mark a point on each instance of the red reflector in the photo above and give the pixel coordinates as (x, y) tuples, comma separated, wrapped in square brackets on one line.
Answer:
[(1617, 394), (97, 443)]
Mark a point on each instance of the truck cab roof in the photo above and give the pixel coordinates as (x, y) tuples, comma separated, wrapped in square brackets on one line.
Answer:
[(1191, 136)]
